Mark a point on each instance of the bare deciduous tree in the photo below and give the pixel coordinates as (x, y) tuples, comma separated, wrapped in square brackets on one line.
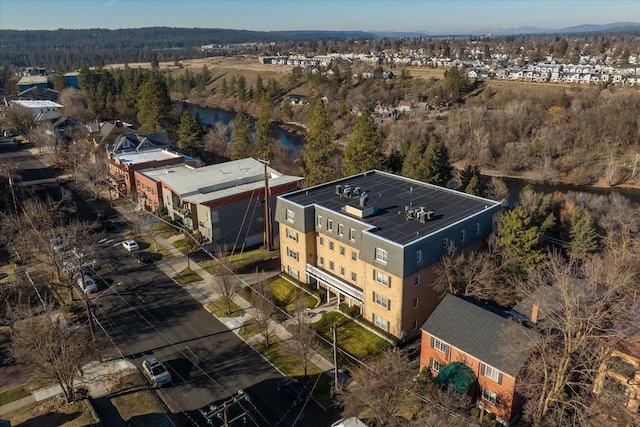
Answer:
[(224, 281), (380, 389), (46, 344), (303, 338), (265, 308)]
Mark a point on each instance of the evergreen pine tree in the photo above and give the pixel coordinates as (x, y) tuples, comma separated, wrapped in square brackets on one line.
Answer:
[(263, 145), (583, 235), (438, 168), (413, 165), (154, 104), (520, 240), (317, 154), (364, 149), (240, 135), (189, 132)]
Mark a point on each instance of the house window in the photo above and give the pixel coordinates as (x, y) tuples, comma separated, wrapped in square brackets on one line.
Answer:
[(491, 373), (419, 257), (289, 215), (294, 273), (354, 277), (292, 235), (342, 271), (329, 225), (490, 396), (415, 303), (331, 246), (292, 254), (381, 255), (416, 281), (340, 230), (352, 234), (414, 324), (462, 234), (439, 345), (477, 228), (321, 241), (332, 266), (319, 223), (445, 243), (342, 250), (353, 256), (435, 365), (381, 278), (381, 301), (380, 322), (321, 260)]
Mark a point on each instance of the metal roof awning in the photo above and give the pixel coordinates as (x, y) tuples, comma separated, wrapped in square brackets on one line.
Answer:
[(335, 283)]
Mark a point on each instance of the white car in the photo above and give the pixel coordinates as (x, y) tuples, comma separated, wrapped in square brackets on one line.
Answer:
[(130, 245), (88, 285), (156, 371)]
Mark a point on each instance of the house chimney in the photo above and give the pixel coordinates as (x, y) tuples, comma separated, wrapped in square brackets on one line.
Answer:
[(534, 313)]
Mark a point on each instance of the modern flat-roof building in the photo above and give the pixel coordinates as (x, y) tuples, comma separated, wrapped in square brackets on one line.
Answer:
[(41, 110), (224, 202), (373, 239)]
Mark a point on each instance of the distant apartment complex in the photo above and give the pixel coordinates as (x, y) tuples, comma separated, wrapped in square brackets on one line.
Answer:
[(373, 239)]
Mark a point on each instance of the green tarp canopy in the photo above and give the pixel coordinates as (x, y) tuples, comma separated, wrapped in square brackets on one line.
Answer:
[(456, 377)]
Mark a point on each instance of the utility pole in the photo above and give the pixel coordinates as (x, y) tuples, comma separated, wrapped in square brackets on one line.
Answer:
[(267, 216), (186, 247), (334, 331), (13, 193), (232, 410)]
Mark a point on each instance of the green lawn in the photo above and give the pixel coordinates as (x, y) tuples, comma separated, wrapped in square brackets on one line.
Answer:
[(352, 337), (285, 294), (165, 230), (219, 309), (239, 261), (13, 395), (186, 276), (279, 354)]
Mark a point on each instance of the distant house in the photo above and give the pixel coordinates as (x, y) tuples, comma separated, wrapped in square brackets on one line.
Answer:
[(41, 110), (476, 350), (224, 202), (128, 141), (298, 100), (39, 81)]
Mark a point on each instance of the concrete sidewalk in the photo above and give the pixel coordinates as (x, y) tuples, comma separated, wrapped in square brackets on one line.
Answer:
[(91, 378)]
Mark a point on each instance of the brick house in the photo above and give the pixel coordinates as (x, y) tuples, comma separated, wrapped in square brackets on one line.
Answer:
[(373, 240), (491, 344)]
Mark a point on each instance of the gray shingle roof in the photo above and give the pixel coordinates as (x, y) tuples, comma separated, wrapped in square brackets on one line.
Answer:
[(481, 331)]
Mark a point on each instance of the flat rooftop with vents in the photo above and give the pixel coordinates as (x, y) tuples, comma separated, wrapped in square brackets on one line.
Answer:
[(397, 209)]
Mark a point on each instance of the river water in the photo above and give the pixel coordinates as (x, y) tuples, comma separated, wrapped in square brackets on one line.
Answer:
[(210, 116)]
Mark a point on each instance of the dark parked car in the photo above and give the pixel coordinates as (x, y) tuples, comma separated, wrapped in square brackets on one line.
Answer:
[(100, 214), (142, 257), (297, 391), (108, 225)]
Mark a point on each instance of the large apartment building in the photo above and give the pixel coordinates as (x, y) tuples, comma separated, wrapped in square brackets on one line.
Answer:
[(373, 240)]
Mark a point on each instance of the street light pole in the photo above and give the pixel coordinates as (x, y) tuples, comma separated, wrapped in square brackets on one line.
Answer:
[(267, 213)]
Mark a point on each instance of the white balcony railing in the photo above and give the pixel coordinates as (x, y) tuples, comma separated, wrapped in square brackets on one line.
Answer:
[(335, 283)]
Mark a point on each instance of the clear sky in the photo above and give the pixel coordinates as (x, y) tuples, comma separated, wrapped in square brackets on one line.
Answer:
[(364, 15)]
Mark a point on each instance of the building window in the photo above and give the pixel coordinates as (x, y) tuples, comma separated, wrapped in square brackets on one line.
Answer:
[(416, 281), (462, 234), (332, 266), (490, 396), (381, 301), (289, 215), (353, 256), (381, 278), (292, 254), (292, 235), (419, 257), (319, 223), (414, 325), (342, 271), (380, 322), (445, 243), (491, 373), (340, 230), (381, 255), (321, 260), (342, 250), (352, 234), (321, 241), (354, 277), (331, 246), (294, 273), (477, 228), (439, 345), (329, 225), (415, 303), (435, 365)]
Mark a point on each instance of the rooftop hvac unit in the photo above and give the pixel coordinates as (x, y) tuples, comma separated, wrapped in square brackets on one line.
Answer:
[(338, 189)]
